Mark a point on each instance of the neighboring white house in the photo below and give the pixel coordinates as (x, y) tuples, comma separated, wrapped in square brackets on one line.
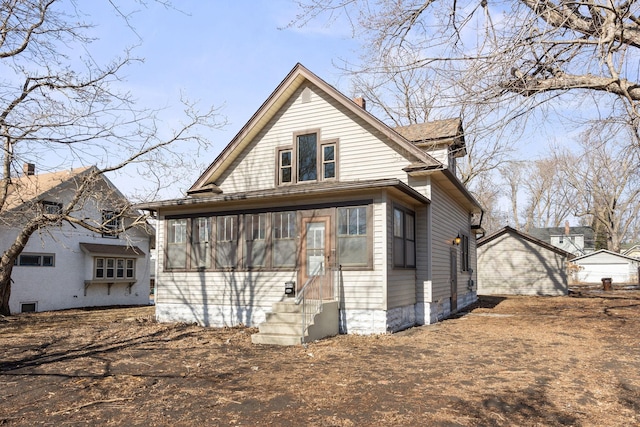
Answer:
[(633, 251), (575, 240), (593, 267), (512, 262), (66, 266), (313, 190)]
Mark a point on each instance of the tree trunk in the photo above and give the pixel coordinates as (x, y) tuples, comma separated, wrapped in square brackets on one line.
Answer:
[(5, 286), (8, 260)]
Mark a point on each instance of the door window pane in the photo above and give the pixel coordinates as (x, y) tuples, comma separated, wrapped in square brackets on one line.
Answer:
[(315, 248)]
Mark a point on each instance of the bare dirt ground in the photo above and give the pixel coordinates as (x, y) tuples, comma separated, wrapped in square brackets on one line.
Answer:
[(565, 361)]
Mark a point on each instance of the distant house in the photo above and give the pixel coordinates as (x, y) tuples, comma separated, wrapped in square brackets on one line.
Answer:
[(315, 196), (512, 262), (575, 240), (593, 267), (633, 251), (66, 266)]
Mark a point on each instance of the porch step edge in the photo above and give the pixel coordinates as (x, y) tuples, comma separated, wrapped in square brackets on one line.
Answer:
[(276, 339)]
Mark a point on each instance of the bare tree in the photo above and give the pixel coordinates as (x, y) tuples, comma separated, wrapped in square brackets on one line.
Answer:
[(401, 95), (606, 179), (58, 101), (518, 53), (550, 201)]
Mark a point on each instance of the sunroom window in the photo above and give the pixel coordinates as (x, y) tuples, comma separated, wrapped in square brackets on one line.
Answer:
[(176, 256), (256, 243), (227, 241), (201, 243), (284, 239), (352, 236), (404, 245)]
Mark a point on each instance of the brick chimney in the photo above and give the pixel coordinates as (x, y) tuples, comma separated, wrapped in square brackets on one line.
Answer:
[(362, 103), (29, 169)]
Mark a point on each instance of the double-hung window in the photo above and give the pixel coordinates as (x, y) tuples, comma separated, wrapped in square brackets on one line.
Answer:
[(404, 244), (111, 223), (353, 236), (285, 166), (464, 242), (309, 160), (328, 161)]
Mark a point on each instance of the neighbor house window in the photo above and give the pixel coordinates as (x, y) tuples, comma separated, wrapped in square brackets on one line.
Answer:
[(35, 260), (51, 208), (352, 236), (28, 307), (404, 245), (255, 240), (284, 239), (114, 268), (226, 241), (111, 222), (176, 256), (201, 243)]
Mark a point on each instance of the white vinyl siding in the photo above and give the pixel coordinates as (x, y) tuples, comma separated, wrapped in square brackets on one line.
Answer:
[(361, 154)]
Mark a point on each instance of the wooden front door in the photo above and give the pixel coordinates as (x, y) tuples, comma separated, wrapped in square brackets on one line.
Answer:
[(316, 250), (454, 279)]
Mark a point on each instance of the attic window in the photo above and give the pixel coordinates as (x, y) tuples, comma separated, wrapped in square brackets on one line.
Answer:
[(111, 223), (51, 208), (306, 95)]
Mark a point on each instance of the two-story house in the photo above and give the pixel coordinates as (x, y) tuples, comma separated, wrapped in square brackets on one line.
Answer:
[(67, 266), (316, 200)]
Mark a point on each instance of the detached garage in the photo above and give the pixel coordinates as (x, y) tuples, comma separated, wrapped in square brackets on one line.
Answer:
[(592, 268), (512, 262)]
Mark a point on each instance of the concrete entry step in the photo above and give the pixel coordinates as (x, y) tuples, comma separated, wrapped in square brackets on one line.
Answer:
[(283, 326)]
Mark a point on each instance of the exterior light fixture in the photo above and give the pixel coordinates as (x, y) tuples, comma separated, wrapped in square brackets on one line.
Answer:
[(456, 241)]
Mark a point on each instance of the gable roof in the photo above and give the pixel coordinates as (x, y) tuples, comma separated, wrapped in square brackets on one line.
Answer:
[(527, 237), (546, 233), (32, 188), (296, 77), (634, 248), (607, 252), (425, 135)]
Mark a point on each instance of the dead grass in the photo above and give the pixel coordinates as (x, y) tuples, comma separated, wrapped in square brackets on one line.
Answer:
[(510, 361)]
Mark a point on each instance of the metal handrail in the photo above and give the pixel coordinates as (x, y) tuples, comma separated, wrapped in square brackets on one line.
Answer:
[(311, 298)]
